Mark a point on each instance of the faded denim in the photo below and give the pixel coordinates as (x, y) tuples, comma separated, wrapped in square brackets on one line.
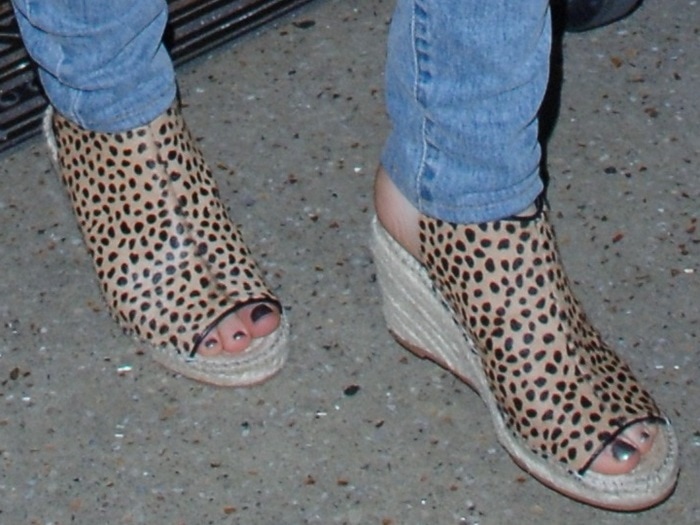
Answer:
[(102, 63), (464, 82)]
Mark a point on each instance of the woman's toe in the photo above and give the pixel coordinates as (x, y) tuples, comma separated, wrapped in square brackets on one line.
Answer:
[(619, 457), (231, 335), (260, 319), (235, 332), (625, 453), (641, 436)]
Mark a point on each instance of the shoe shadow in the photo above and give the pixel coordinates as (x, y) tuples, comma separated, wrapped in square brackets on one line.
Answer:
[(551, 104)]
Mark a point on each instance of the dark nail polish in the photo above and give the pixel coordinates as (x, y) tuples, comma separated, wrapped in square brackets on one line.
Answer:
[(259, 312), (622, 451)]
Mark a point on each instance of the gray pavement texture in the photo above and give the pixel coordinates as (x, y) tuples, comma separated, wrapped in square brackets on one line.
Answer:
[(355, 430)]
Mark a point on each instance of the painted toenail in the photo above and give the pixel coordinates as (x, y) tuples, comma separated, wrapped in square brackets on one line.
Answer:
[(644, 436), (622, 451), (210, 343), (238, 336), (259, 312)]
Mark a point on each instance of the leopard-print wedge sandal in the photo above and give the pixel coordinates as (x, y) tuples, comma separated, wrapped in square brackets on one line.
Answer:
[(170, 262), (491, 303)]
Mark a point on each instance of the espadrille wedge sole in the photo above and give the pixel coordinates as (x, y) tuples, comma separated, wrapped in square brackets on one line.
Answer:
[(420, 312), (169, 261)]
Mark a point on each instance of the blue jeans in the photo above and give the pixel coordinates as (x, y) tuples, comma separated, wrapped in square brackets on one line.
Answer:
[(464, 82), (101, 62)]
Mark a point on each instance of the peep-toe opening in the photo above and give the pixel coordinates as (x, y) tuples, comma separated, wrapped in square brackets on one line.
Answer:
[(200, 338), (424, 321), (609, 440), (169, 265)]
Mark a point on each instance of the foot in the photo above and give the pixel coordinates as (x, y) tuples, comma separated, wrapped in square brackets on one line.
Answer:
[(401, 220), (235, 332), (170, 262)]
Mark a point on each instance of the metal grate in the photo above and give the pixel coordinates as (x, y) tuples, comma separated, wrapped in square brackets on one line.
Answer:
[(195, 27)]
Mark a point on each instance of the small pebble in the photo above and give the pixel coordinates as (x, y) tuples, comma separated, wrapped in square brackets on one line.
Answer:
[(351, 390)]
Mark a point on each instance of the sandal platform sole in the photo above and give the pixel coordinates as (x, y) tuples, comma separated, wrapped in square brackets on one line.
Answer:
[(420, 321)]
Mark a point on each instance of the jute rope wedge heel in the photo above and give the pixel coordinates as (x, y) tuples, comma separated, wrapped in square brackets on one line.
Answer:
[(491, 304), (169, 261)]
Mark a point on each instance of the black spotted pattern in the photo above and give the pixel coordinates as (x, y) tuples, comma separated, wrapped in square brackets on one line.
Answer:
[(169, 260), (558, 386)]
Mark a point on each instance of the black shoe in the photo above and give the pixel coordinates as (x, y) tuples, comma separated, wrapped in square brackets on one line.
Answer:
[(582, 15)]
